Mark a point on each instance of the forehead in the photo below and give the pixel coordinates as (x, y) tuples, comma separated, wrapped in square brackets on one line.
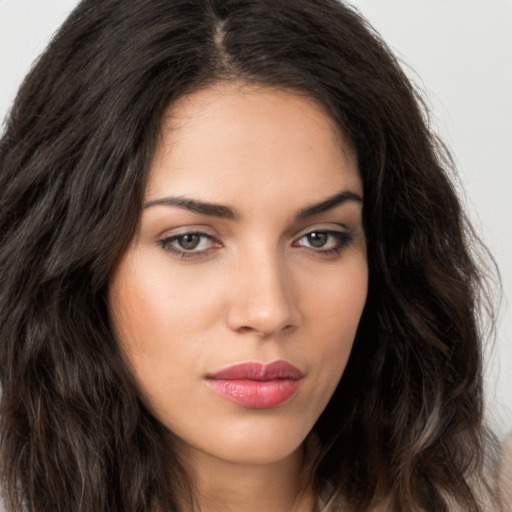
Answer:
[(232, 138)]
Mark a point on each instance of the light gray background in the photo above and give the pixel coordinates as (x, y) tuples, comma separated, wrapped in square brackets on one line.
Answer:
[(461, 54)]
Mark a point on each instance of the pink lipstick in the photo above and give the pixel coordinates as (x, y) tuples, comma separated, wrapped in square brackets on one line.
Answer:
[(257, 385)]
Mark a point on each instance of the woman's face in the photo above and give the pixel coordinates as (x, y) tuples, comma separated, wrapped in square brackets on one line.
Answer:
[(237, 303)]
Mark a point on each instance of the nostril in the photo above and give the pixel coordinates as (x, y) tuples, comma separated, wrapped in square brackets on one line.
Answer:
[(263, 334), (248, 318)]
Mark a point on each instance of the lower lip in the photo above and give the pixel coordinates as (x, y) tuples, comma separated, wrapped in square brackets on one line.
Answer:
[(256, 394)]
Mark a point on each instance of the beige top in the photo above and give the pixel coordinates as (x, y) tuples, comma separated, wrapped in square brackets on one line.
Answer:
[(505, 474)]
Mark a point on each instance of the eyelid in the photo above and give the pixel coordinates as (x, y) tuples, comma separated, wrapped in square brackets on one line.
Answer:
[(166, 241), (343, 238), (186, 229), (322, 226)]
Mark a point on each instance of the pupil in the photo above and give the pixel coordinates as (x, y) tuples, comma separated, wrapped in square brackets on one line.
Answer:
[(317, 239), (189, 241)]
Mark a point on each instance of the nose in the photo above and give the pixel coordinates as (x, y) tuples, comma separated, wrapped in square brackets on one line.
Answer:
[(263, 299)]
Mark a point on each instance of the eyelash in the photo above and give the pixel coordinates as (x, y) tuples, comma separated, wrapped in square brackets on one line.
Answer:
[(167, 244), (342, 239)]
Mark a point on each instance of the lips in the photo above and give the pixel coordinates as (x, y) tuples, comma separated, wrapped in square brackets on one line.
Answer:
[(257, 385)]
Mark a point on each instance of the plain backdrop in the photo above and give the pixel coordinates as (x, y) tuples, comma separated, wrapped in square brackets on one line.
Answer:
[(459, 52)]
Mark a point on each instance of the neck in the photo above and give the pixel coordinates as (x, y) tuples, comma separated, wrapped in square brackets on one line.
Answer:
[(233, 487)]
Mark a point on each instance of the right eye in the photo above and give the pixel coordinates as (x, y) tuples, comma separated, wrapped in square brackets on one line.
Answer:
[(186, 245)]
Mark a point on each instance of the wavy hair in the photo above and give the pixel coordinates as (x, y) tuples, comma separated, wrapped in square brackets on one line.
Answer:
[(406, 421)]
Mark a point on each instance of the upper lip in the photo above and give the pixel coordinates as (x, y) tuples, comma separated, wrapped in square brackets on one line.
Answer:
[(258, 371)]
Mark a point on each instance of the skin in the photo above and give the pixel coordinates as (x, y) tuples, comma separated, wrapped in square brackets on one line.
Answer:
[(256, 287)]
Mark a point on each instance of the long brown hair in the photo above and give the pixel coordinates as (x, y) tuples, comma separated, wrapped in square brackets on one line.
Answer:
[(406, 421)]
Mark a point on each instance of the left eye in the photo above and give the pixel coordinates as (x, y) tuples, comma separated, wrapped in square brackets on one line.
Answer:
[(324, 240), (187, 243)]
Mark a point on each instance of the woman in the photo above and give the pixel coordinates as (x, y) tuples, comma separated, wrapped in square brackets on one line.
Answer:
[(235, 274)]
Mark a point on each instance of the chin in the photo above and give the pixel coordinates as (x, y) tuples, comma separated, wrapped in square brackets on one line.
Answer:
[(260, 451), (248, 443)]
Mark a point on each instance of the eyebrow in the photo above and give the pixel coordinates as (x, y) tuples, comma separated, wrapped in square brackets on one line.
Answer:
[(329, 203), (204, 208), (225, 212)]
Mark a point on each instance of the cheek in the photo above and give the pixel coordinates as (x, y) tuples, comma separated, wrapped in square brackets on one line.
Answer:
[(159, 319), (334, 309), (335, 304), (146, 325), (151, 307)]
